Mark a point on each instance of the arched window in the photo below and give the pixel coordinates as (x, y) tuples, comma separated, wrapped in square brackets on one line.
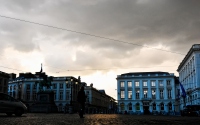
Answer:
[(130, 106), (122, 106), (170, 106), (161, 106), (154, 106), (137, 106)]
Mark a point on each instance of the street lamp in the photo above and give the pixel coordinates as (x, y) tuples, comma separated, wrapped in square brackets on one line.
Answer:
[(71, 91)]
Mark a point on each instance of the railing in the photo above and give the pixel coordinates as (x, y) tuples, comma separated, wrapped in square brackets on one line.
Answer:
[(146, 99)]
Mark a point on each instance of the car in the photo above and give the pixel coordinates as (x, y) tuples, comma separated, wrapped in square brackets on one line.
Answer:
[(191, 110), (10, 106)]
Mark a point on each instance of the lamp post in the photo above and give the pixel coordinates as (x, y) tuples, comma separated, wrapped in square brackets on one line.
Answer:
[(71, 92)]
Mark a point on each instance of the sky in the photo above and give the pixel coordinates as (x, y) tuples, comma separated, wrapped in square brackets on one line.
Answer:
[(96, 39)]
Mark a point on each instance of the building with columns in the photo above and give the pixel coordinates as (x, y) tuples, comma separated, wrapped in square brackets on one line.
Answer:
[(189, 76), (147, 92)]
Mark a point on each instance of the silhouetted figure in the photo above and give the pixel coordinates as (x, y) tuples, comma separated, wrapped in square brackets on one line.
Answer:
[(81, 99)]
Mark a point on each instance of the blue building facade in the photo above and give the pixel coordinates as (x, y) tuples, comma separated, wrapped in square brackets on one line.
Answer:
[(147, 92)]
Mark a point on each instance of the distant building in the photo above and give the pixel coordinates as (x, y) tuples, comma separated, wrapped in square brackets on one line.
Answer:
[(147, 92), (26, 86), (4, 82), (189, 76), (98, 101)]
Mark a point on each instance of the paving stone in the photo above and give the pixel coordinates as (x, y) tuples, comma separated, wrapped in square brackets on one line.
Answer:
[(96, 119)]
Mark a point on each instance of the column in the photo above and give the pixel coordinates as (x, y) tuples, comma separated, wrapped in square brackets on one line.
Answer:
[(133, 90), (57, 91), (126, 89), (64, 91), (31, 91), (149, 89), (141, 89), (157, 91), (165, 88)]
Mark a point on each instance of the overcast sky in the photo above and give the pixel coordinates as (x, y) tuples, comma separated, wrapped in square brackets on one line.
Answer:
[(169, 25)]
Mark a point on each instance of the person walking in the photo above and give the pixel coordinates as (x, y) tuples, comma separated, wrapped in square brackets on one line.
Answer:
[(81, 98)]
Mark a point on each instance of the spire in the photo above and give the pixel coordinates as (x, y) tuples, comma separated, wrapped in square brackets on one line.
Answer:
[(41, 68)]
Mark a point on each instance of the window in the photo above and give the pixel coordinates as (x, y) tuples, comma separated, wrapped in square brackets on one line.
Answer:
[(161, 94), (10, 88), (154, 94), (145, 93), (129, 84), (137, 84), (129, 106), (61, 85), (61, 96), (34, 96), (14, 87), (162, 106), (130, 94), (137, 106), (169, 93), (68, 85), (153, 83), (137, 94), (55, 86), (28, 87), (122, 84), (122, 94), (144, 83), (170, 106), (34, 86), (122, 106), (168, 82), (161, 83), (67, 95), (154, 106)]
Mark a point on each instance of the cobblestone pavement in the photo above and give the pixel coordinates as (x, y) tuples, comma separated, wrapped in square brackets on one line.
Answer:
[(96, 119)]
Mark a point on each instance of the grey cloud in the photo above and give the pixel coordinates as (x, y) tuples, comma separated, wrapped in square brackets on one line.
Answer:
[(174, 24)]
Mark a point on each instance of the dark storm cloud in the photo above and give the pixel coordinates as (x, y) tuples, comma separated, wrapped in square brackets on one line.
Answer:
[(174, 24)]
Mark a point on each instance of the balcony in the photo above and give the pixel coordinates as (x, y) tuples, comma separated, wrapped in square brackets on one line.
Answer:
[(146, 99)]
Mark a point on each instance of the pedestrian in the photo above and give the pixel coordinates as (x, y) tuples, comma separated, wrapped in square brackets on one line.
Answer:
[(81, 98)]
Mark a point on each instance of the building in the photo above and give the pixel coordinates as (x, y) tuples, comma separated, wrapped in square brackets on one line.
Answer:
[(147, 92), (4, 77), (98, 101), (27, 85), (189, 76)]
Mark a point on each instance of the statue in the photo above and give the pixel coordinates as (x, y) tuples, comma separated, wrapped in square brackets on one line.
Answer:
[(46, 82)]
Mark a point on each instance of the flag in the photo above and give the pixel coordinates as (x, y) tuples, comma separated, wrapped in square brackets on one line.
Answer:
[(182, 90)]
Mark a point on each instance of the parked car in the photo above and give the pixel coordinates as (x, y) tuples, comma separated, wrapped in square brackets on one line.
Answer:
[(10, 106), (191, 110)]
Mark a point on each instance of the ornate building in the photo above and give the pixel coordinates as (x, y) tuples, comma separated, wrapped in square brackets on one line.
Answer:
[(189, 76), (147, 92), (26, 86)]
